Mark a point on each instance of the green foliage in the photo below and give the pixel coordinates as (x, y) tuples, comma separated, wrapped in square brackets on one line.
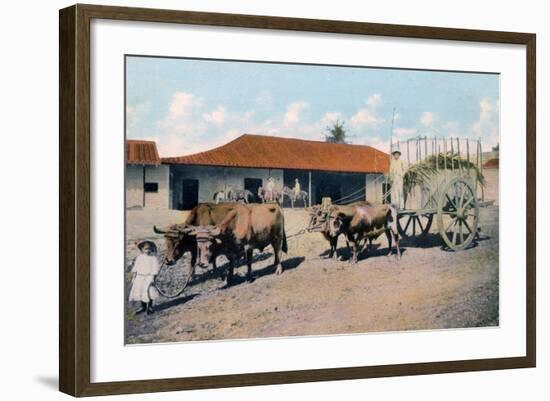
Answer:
[(336, 133), (421, 173)]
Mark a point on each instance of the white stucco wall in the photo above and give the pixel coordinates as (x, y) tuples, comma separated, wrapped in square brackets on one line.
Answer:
[(134, 187), (373, 187), (160, 175), (213, 179)]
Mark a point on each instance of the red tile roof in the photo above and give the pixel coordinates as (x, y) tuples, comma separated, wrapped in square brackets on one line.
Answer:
[(259, 151), (141, 152)]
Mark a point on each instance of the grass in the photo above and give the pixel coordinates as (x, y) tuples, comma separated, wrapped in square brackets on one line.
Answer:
[(421, 173)]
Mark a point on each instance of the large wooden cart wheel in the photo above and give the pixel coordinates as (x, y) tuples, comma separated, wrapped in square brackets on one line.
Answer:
[(172, 280), (458, 214), (414, 224)]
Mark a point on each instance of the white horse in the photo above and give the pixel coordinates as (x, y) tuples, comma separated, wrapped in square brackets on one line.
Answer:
[(219, 196)]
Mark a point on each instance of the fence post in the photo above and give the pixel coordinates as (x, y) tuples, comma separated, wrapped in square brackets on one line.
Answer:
[(309, 189)]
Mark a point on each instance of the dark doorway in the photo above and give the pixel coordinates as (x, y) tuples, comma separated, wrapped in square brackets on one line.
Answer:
[(328, 187), (189, 194), (252, 185), (341, 188)]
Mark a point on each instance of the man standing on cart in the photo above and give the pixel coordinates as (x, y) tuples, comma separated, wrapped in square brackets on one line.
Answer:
[(397, 171)]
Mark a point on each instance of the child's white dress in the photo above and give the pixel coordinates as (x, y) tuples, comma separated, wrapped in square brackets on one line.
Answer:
[(145, 267)]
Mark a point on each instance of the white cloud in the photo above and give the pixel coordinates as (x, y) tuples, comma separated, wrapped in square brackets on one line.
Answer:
[(428, 118), (330, 117), (135, 113), (486, 127), (292, 115), (401, 133), (373, 101), (181, 105), (365, 117), (216, 117), (375, 142)]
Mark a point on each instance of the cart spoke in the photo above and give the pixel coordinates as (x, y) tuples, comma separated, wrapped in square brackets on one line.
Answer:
[(468, 202), (460, 231), (451, 201), (454, 237), (407, 225), (462, 195), (450, 225), (467, 226), (420, 224)]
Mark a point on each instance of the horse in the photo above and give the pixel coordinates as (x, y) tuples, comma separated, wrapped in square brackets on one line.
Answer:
[(240, 195), (293, 196), (267, 195), (219, 196)]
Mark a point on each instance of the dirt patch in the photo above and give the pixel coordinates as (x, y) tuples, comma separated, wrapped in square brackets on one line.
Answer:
[(430, 288)]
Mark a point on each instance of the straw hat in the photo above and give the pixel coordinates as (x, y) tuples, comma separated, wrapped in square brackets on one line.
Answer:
[(151, 244)]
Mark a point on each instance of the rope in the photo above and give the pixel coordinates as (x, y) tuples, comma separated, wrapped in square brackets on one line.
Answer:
[(301, 232), (362, 189)]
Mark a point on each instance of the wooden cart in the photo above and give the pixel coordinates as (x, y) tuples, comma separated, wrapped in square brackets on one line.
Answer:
[(451, 192)]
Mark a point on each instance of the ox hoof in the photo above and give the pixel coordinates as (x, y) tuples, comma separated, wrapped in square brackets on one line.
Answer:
[(279, 270)]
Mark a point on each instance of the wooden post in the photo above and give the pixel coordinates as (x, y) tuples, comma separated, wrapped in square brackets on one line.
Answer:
[(425, 146), (444, 153), (309, 189), (143, 188), (458, 151), (481, 169), (436, 147), (452, 155)]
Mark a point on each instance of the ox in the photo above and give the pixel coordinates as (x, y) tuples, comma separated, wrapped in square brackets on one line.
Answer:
[(245, 228), (177, 238), (367, 222), (319, 221)]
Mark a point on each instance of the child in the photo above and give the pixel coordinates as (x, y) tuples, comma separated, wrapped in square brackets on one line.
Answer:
[(146, 267)]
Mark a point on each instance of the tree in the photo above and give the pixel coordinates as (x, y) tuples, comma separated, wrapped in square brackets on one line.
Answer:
[(495, 148), (336, 133)]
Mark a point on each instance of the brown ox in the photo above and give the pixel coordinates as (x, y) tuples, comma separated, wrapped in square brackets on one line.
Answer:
[(177, 238), (319, 221), (367, 222), (245, 228)]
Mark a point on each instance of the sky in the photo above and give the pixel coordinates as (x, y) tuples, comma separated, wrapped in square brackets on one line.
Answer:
[(192, 105)]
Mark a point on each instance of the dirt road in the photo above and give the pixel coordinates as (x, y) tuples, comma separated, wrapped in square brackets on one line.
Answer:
[(428, 289)]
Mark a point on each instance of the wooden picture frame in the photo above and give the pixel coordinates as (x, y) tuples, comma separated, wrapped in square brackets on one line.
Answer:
[(75, 208)]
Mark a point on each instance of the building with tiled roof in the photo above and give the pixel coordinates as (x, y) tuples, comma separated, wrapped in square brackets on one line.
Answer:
[(341, 172), (147, 180), (259, 151), (142, 152)]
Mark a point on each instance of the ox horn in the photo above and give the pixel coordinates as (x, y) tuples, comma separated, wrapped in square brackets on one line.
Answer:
[(185, 229), (164, 231), (159, 231)]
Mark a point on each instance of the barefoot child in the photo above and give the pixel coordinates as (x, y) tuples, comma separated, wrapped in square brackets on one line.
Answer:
[(146, 267)]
